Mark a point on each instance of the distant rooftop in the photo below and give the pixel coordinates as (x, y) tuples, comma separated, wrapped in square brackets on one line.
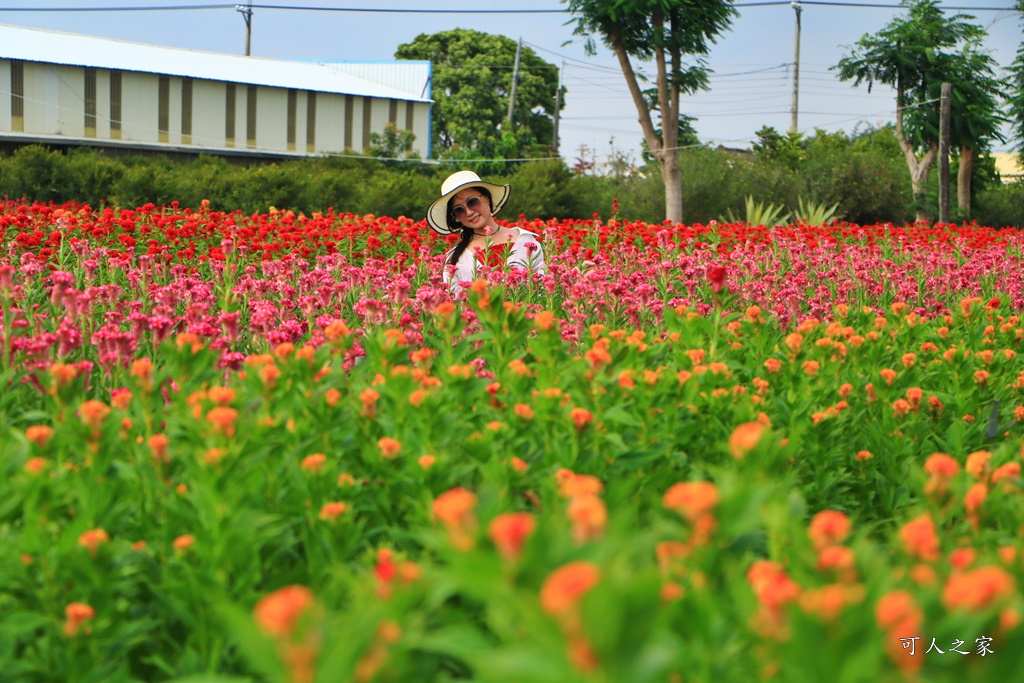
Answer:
[(405, 82)]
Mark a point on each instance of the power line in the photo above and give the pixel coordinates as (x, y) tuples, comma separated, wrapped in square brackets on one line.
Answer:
[(395, 10)]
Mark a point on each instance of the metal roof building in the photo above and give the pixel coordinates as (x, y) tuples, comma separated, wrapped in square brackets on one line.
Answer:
[(75, 89)]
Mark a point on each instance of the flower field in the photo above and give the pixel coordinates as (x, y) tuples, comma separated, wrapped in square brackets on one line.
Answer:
[(277, 448)]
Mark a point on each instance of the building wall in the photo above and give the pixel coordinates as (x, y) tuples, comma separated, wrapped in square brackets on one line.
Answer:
[(54, 105)]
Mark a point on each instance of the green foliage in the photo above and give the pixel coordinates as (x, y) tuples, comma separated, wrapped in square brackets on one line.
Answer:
[(815, 213), (785, 150), (1001, 206), (760, 213), (392, 143), (1015, 92), (471, 86)]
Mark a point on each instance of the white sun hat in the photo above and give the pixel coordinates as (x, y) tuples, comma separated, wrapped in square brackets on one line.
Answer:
[(437, 214)]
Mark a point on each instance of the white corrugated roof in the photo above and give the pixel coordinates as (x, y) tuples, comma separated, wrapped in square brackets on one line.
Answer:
[(411, 76), (55, 47)]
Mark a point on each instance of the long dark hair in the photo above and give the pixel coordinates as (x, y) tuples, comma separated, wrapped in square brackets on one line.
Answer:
[(467, 233)]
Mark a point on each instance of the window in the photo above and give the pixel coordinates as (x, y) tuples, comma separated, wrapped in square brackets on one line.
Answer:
[(90, 102), (311, 122), (293, 105), (229, 115), (115, 105), (164, 108), (17, 95), (250, 117), (186, 111)]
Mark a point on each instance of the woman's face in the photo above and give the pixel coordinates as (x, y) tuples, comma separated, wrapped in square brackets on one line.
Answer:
[(473, 210)]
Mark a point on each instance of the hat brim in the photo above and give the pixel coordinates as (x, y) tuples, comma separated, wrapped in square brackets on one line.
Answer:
[(437, 214)]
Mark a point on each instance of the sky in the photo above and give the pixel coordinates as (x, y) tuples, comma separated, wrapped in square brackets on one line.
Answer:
[(752, 83)]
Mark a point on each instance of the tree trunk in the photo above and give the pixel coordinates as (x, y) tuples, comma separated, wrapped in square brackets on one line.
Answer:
[(963, 181), (919, 168), (668, 159), (672, 176)]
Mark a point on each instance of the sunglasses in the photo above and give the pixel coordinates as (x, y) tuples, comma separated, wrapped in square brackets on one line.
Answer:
[(472, 204)]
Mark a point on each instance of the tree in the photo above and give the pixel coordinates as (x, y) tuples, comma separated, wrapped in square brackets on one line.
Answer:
[(471, 86), (1016, 92), (915, 54), (663, 31), (392, 143)]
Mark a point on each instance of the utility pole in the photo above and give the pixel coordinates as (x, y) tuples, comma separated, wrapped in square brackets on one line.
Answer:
[(796, 67), (246, 11), (558, 108), (515, 82), (945, 96)]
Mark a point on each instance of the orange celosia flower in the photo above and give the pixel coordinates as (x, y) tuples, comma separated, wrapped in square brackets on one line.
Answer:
[(1010, 470), (579, 485), (828, 527), (426, 461), (184, 542), (223, 419), (35, 465), (221, 395), (888, 374), (523, 411), (973, 500), (332, 396), (691, 499), (978, 464), (811, 367), (862, 456), (346, 479), (919, 538), (518, 464), (39, 434), (744, 438), (93, 413), (509, 532), (76, 614), (793, 342), (837, 558), (962, 558), (565, 587), (771, 584), (544, 320), (313, 464), (454, 508), (773, 365), (158, 444), (827, 602), (279, 613), (900, 407), (581, 417), (897, 609), (330, 512), (92, 539), (389, 448), (588, 516), (977, 589), (941, 468), (336, 331)]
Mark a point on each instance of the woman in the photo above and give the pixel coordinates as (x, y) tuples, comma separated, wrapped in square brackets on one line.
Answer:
[(467, 206)]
